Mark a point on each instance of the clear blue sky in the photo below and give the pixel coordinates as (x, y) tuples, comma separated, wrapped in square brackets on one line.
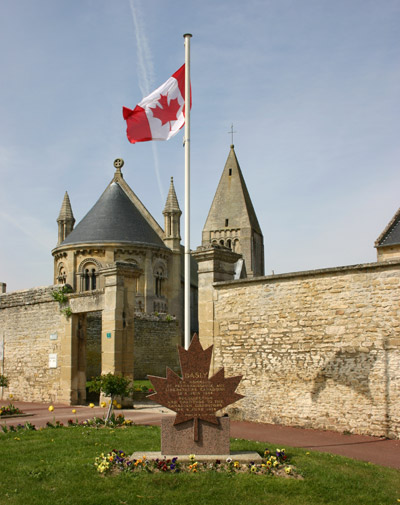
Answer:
[(312, 88)]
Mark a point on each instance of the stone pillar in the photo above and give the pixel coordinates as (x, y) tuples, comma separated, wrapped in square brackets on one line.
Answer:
[(118, 317), (3, 287), (69, 348), (215, 263)]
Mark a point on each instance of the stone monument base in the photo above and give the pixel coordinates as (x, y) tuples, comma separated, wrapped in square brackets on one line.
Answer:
[(213, 438), (241, 456)]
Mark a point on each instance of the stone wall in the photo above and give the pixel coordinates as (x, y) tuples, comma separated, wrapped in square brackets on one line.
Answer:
[(31, 327), (155, 345), (316, 349)]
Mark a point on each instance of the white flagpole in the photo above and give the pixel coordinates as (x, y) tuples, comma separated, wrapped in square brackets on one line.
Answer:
[(187, 37)]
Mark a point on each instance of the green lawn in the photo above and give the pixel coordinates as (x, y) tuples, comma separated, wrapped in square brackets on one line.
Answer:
[(55, 466), (142, 382)]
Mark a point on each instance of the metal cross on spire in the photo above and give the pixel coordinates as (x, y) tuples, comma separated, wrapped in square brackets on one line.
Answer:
[(232, 132)]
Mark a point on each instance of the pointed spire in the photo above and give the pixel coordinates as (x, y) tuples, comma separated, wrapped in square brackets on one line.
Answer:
[(172, 204), (232, 221), (66, 210), (65, 220)]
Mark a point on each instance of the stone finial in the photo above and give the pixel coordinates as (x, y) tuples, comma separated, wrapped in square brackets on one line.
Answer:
[(66, 210), (118, 164), (172, 204)]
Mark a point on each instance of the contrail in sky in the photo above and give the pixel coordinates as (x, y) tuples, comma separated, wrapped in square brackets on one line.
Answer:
[(146, 73), (29, 231)]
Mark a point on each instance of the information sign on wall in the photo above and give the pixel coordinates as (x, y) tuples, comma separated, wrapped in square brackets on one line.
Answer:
[(53, 360)]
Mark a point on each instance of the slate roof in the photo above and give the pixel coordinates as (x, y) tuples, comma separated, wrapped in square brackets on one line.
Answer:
[(114, 218), (391, 234)]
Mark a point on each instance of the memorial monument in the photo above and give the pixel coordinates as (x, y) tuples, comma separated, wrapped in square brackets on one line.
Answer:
[(195, 397)]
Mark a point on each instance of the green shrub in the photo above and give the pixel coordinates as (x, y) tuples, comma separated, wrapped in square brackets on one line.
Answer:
[(3, 381), (110, 385)]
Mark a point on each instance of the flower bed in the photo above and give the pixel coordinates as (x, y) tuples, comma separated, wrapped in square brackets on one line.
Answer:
[(117, 461), (10, 410)]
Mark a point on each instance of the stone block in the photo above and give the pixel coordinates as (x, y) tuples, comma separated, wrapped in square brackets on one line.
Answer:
[(178, 440)]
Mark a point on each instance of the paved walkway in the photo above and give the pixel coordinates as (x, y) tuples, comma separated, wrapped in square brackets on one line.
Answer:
[(373, 449)]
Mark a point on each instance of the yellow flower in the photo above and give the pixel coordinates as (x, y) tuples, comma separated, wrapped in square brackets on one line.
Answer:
[(91, 405), (17, 438), (51, 408), (288, 470), (192, 457), (11, 396), (115, 402), (74, 411), (119, 406), (103, 404), (269, 463), (236, 464)]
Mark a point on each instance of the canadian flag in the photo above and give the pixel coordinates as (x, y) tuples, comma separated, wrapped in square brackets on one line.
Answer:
[(160, 115)]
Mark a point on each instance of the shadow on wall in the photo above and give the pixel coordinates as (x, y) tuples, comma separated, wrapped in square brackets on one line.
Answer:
[(351, 369)]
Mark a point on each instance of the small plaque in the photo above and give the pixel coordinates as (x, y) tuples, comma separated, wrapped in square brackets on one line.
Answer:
[(108, 335), (52, 360), (54, 336)]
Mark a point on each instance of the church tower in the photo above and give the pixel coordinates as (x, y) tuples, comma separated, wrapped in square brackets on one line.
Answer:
[(232, 221)]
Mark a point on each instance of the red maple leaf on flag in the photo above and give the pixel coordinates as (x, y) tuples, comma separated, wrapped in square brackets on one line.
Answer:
[(168, 111)]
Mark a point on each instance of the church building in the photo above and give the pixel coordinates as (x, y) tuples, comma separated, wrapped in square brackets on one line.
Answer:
[(119, 228)]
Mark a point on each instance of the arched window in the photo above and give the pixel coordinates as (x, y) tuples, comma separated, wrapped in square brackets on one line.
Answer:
[(229, 243), (158, 278), (93, 279), (88, 273), (86, 280), (62, 274), (89, 279), (221, 242)]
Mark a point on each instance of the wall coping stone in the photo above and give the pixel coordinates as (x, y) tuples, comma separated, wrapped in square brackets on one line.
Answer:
[(348, 269), (23, 296)]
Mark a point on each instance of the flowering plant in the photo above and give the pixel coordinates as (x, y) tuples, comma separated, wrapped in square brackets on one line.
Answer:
[(272, 464), (10, 410), (119, 461)]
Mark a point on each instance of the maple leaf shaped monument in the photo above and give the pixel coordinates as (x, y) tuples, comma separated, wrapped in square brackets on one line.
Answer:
[(195, 395), (167, 112)]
